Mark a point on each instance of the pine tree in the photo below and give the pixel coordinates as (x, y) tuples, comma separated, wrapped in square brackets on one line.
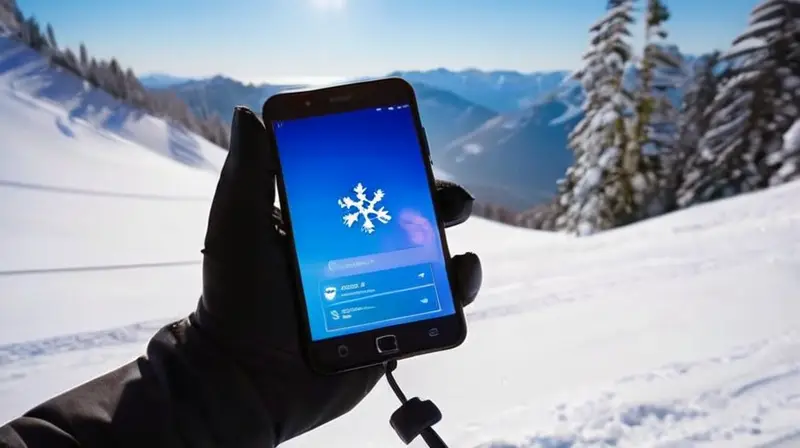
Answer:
[(32, 34), (790, 168), (72, 60), (93, 73), (137, 95), (18, 16), (742, 151), (51, 37), (693, 122), (591, 195), (84, 56), (110, 76), (654, 137), (783, 160), (116, 80)]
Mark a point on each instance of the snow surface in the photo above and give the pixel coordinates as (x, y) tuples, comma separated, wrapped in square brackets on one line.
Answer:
[(679, 331), (791, 139)]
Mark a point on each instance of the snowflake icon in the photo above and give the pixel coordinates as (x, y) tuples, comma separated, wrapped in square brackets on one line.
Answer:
[(365, 208)]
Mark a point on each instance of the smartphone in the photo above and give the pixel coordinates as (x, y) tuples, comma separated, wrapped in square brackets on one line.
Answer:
[(356, 189)]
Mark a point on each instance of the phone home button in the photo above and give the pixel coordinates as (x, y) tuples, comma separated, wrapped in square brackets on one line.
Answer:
[(343, 351), (386, 344)]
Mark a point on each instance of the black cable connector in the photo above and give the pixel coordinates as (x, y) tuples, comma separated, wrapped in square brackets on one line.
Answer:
[(414, 417)]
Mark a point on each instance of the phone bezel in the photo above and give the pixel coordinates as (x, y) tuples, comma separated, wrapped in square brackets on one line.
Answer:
[(414, 338)]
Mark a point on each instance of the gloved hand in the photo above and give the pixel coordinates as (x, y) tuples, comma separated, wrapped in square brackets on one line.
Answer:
[(247, 307)]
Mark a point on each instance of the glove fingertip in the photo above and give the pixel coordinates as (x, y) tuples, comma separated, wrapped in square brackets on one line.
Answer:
[(469, 274)]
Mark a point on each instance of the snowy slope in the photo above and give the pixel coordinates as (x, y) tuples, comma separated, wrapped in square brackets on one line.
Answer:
[(680, 329), (86, 185)]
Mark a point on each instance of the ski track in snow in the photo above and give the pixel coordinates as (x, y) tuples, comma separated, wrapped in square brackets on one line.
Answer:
[(765, 402), (31, 351), (548, 292), (610, 419), (108, 194), (116, 267)]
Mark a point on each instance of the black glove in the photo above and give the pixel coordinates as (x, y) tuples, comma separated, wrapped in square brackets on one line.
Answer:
[(247, 308)]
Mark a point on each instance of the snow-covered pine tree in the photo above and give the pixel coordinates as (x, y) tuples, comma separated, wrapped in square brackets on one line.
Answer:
[(32, 34), (51, 37), (587, 193), (11, 18), (84, 57), (693, 122), (654, 133), (783, 162), (742, 151), (790, 168)]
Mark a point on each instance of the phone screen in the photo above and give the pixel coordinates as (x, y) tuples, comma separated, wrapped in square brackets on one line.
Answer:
[(367, 241)]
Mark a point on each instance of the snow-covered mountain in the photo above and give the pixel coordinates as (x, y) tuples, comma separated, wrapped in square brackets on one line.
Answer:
[(446, 116), (497, 90), (162, 80), (678, 331), (221, 94), (500, 90), (451, 122), (514, 159), (65, 146)]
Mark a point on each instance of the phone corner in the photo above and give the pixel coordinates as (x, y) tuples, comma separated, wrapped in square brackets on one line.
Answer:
[(267, 107), (401, 83), (463, 331), (459, 335)]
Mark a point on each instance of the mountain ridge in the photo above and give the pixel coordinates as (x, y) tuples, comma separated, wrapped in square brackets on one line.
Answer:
[(161, 80), (486, 149), (448, 117), (501, 90)]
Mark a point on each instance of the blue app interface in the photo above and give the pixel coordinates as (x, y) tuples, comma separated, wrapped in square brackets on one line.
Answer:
[(363, 220)]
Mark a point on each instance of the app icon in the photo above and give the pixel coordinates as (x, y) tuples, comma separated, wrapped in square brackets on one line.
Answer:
[(365, 208), (330, 293)]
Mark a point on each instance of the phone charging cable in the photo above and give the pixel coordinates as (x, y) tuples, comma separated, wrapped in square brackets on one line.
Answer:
[(414, 417)]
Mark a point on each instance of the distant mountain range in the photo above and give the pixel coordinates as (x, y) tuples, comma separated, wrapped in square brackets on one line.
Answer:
[(500, 90), (221, 94), (514, 159), (446, 116), (502, 134), (521, 153), (160, 80)]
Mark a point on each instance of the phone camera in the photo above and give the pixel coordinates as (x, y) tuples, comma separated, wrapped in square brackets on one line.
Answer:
[(308, 103)]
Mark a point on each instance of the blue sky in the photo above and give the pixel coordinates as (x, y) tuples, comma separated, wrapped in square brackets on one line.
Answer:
[(270, 40)]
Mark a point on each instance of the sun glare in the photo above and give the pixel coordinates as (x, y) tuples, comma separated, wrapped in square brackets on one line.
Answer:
[(329, 4)]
